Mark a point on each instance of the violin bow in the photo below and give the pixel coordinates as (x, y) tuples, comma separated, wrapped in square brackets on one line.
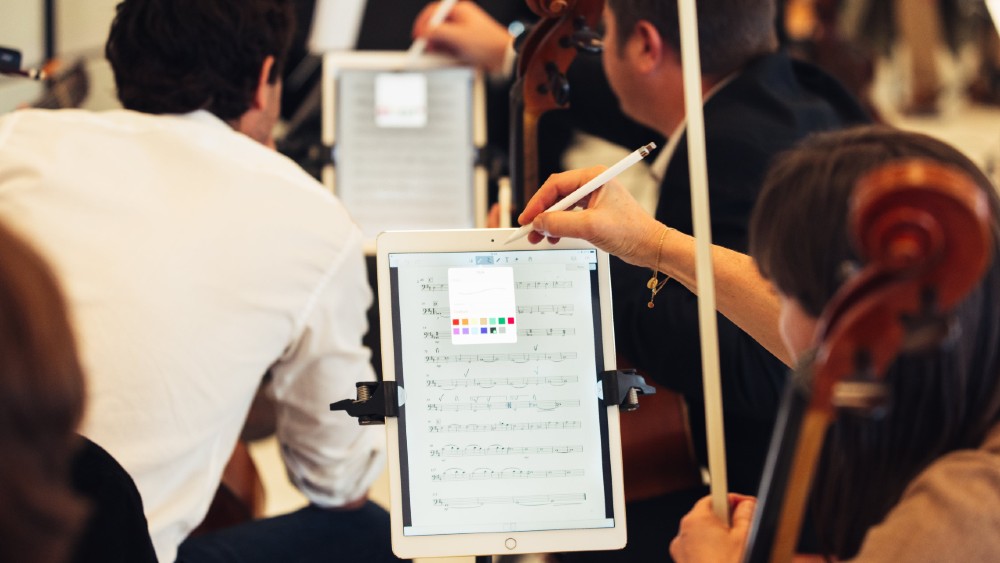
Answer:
[(704, 270)]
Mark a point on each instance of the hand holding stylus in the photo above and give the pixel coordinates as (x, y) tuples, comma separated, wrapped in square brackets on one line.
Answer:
[(554, 192)]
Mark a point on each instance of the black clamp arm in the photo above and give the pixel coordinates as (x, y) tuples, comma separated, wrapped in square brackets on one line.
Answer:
[(376, 400), (623, 387)]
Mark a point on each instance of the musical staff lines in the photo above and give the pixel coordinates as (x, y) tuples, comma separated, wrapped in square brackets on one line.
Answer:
[(544, 285), (504, 427), (517, 285), (440, 334), (557, 309), (524, 500), (564, 310), (442, 312), (517, 358), (452, 450), (490, 382), (546, 332), (476, 406), (487, 474)]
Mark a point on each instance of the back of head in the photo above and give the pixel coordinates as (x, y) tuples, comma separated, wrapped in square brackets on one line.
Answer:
[(178, 56), (731, 32), (41, 400), (944, 399)]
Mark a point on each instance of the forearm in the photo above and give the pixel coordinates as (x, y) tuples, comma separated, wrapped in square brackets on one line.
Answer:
[(741, 294)]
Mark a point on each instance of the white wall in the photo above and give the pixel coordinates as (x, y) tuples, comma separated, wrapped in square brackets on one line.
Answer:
[(81, 28), (22, 28)]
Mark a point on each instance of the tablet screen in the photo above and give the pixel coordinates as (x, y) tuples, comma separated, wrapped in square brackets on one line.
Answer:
[(502, 428), (404, 148)]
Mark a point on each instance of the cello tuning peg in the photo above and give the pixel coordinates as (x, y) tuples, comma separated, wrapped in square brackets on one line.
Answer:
[(585, 38), (924, 332), (557, 84), (862, 396)]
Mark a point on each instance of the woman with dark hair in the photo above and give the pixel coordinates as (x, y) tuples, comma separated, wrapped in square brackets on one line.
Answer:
[(62, 498), (921, 483)]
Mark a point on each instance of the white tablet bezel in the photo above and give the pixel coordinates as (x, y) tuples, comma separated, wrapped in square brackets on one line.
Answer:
[(549, 541)]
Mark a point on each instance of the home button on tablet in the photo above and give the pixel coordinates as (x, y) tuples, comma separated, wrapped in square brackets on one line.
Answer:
[(511, 543)]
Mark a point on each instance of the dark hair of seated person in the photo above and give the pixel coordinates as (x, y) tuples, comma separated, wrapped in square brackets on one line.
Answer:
[(944, 399), (178, 56), (60, 495), (731, 32)]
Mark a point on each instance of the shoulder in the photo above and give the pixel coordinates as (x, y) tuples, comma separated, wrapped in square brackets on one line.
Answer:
[(951, 511), (268, 187), (782, 94)]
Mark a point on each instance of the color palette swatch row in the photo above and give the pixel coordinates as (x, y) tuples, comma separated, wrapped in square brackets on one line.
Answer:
[(481, 325), (483, 321), (480, 330)]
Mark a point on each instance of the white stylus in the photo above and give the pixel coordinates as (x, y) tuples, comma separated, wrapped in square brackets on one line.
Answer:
[(584, 190), (420, 43)]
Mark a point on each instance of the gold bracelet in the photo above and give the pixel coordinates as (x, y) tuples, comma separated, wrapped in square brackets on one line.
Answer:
[(655, 284)]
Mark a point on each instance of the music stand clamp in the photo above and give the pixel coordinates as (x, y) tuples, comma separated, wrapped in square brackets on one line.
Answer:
[(622, 387), (375, 401), (379, 399)]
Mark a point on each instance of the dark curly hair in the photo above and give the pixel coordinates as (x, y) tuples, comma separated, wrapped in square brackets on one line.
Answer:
[(178, 56)]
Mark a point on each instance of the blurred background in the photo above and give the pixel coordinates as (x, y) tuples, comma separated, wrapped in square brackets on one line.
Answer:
[(926, 65)]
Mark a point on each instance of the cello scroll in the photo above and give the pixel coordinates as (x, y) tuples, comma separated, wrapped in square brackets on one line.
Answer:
[(567, 27)]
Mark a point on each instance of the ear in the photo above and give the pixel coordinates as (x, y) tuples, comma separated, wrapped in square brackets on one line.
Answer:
[(648, 46), (260, 98)]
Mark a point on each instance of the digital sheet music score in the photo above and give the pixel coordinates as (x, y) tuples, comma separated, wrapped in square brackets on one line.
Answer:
[(405, 151), (498, 355)]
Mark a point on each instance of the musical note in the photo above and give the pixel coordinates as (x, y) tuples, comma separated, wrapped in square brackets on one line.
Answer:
[(452, 450), (490, 382), (544, 285), (547, 332), (438, 334), (486, 474), (517, 285), (525, 500), (557, 309), (505, 427), (489, 358), (501, 405), (436, 312)]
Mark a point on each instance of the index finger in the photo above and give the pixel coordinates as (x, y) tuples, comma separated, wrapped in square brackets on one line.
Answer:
[(555, 188), (420, 24)]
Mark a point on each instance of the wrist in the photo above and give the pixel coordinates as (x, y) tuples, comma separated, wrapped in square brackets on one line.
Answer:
[(655, 283)]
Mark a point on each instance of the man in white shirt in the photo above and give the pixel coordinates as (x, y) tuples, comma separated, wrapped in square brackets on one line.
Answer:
[(195, 259)]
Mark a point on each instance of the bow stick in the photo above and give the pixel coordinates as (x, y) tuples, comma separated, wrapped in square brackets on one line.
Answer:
[(705, 272)]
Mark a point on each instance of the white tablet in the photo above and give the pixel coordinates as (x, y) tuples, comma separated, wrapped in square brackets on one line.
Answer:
[(503, 443), (405, 136)]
